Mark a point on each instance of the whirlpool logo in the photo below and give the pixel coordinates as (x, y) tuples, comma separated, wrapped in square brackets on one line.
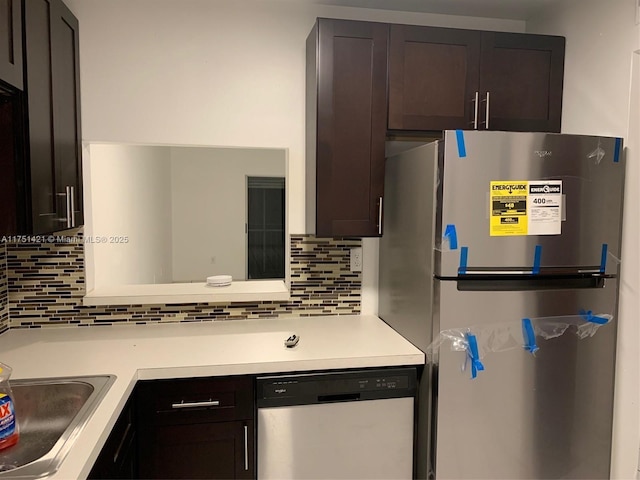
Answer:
[(543, 153), (545, 188)]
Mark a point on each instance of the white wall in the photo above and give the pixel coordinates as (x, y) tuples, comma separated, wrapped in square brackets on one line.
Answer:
[(600, 99), (130, 190), (216, 72), (210, 72), (209, 203)]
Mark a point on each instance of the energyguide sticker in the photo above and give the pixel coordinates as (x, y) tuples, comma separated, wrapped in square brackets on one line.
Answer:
[(525, 208)]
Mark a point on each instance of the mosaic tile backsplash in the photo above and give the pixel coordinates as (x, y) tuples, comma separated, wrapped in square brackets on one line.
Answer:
[(46, 285), (4, 290)]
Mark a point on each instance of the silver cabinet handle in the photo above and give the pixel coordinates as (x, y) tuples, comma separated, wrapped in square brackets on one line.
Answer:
[(64, 219), (486, 121), (122, 440), (380, 217), (208, 403), (68, 193), (476, 108), (73, 205), (246, 447)]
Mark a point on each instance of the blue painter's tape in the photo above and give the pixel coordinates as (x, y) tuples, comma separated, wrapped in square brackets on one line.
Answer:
[(529, 336), (603, 258), (462, 149), (537, 258), (616, 153), (464, 253), (450, 233), (588, 316), (474, 355)]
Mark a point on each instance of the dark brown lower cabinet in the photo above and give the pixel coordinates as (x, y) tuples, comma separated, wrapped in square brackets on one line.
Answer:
[(196, 428), (118, 458), (184, 428), (209, 450)]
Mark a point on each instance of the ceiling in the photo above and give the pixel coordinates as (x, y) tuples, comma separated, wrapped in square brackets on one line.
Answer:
[(506, 9)]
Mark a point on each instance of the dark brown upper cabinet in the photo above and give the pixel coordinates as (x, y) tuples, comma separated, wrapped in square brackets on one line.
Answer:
[(11, 42), (521, 80), (432, 74), (53, 139), (346, 108), (441, 78)]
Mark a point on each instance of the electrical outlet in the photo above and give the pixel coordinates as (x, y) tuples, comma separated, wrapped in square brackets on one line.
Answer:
[(355, 259)]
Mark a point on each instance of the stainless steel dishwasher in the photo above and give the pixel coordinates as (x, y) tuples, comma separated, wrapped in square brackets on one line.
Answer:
[(345, 425)]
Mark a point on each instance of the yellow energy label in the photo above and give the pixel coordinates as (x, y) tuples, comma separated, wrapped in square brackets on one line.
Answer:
[(525, 208)]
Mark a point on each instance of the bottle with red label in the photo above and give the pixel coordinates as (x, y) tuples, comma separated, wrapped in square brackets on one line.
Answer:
[(8, 423)]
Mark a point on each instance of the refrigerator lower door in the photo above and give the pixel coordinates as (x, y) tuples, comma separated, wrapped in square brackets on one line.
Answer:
[(544, 416)]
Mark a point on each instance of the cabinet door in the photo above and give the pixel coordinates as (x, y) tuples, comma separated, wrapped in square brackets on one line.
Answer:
[(211, 450), (347, 157), (52, 86), (523, 76), (66, 107), (11, 42), (433, 78), (10, 162), (117, 458), (44, 212)]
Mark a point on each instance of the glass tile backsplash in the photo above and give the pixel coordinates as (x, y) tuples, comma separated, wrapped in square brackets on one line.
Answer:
[(42, 285)]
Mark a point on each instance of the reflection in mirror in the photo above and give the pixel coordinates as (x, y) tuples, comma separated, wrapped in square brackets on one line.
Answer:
[(179, 214)]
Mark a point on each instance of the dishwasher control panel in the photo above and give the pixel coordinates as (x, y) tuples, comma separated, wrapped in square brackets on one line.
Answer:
[(336, 387)]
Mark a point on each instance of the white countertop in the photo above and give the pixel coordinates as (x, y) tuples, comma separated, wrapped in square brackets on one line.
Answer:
[(218, 348)]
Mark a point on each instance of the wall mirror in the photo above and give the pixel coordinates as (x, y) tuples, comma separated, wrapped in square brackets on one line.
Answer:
[(160, 219)]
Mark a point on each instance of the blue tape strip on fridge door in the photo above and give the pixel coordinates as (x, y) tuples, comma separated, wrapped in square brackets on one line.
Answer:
[(588, 316), (474, 355), (462, 149), (529, 336), (464, 253), (603, 257), (451, 234), (537, 258), (616, 153)]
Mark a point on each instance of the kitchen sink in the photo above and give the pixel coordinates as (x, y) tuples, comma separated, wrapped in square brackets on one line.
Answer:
[(51, 413)]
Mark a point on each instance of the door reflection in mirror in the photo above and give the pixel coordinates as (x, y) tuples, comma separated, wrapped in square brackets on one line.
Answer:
[(265, 227)]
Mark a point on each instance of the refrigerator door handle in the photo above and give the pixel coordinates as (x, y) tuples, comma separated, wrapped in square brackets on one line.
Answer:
[(517, 283)]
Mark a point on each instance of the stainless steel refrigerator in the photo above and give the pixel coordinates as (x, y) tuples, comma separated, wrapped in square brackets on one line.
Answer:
[(482, 232)]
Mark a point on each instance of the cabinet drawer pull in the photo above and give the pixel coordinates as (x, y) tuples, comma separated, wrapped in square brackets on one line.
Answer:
[(380, 217), (208, 403), (476, 108), (246, 448), (121, 444)]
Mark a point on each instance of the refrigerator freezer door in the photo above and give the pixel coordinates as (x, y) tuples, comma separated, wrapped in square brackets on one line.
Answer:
[(564, 232), (544, 416)]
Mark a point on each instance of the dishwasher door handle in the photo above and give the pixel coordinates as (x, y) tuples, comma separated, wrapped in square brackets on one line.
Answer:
[(343, 397)]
